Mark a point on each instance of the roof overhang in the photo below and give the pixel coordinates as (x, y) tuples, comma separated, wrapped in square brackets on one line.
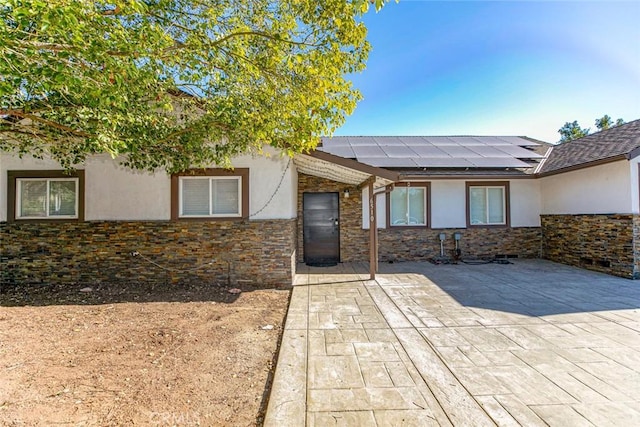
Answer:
[(474, 176), (635, 152), (340, 169)]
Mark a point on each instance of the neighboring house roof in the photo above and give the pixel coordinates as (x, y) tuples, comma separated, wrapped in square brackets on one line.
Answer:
[(616, 143), (400, 152)]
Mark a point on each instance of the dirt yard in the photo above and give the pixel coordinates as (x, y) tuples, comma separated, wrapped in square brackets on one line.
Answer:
[(137, 355)]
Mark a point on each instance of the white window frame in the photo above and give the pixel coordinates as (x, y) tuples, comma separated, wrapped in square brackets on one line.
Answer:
[(504, 204), (425, 191), (182, 179), (19, 182)]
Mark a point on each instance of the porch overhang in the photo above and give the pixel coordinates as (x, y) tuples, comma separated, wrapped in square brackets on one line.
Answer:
[(340, 169), (349, 171)]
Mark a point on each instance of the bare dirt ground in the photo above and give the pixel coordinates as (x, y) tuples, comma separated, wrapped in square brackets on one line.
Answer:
[(137, 355)]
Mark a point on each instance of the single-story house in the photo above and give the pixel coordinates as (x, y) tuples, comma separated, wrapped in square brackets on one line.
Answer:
[(487, 196), (590, 194)]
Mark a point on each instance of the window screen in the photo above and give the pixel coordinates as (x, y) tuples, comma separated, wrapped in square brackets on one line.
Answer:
[(487, 205), (47, 198), (210, 196), (408, 206)]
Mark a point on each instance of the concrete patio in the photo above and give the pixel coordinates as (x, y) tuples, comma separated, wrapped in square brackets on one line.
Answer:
[(529, 343)]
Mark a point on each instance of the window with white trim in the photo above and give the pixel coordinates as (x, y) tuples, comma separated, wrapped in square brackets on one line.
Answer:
[(408, 205), (47, 198), (210, 196), (487, 205)]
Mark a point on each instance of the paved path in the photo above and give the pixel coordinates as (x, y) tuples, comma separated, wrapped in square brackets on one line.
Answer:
[(531, 343)]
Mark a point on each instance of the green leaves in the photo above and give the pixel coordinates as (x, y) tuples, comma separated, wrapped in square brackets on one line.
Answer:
[(606, 122), (173, 83), (572, 130)]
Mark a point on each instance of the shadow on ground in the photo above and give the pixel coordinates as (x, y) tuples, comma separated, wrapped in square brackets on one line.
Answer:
[(109, 293), (530, 287)]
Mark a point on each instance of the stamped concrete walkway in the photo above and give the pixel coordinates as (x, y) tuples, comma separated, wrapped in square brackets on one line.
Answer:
[(530, 343)]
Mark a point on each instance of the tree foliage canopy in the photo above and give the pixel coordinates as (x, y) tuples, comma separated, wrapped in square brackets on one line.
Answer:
[(572, 130), (175, 83), (606, 122)]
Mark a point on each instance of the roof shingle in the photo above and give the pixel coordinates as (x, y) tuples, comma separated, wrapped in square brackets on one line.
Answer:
[(614, 142)]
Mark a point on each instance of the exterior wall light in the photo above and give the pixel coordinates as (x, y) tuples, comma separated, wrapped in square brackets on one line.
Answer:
[(346, 194)]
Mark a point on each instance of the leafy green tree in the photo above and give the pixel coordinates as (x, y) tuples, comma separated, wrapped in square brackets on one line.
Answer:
[(606, 122), (571, 131), (175, 83)]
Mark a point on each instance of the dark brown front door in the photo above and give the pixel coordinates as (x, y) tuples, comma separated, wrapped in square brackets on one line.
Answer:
[(321, 228)]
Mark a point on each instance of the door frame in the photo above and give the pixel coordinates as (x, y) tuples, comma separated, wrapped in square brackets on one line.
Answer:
[(304, 239)]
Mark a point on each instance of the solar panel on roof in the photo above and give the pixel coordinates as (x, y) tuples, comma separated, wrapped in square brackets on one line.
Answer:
[(368, 151), (464, 140), (342, 151), (428, 151), (498, 162), (433, 151), (448, 162), (388, 140), (439, 140), (519, 152), (335, 142), (472, 141), (516, 140), (388, 162), (399, 151), (489, 151), (458, 151), (411, 140), (489, 140)]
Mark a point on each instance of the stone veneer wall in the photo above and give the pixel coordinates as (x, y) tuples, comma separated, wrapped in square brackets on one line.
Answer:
[(606, 243), (260, 252), (636, 246), (422, 243), (354, 241)]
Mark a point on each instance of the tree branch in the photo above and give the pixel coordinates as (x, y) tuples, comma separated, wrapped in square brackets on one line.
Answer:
[(259, 34), (111, 12), (50, 123)]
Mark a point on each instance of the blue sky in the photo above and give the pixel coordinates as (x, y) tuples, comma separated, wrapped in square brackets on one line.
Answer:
[(497, 68)]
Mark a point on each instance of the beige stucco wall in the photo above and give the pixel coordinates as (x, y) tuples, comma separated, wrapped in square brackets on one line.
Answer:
[(448, 204), (599, 189), (526, 202), (381, 209), (113, 192)]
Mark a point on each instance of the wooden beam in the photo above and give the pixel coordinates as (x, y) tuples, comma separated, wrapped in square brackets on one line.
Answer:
[(373, 243), (356, 165)]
